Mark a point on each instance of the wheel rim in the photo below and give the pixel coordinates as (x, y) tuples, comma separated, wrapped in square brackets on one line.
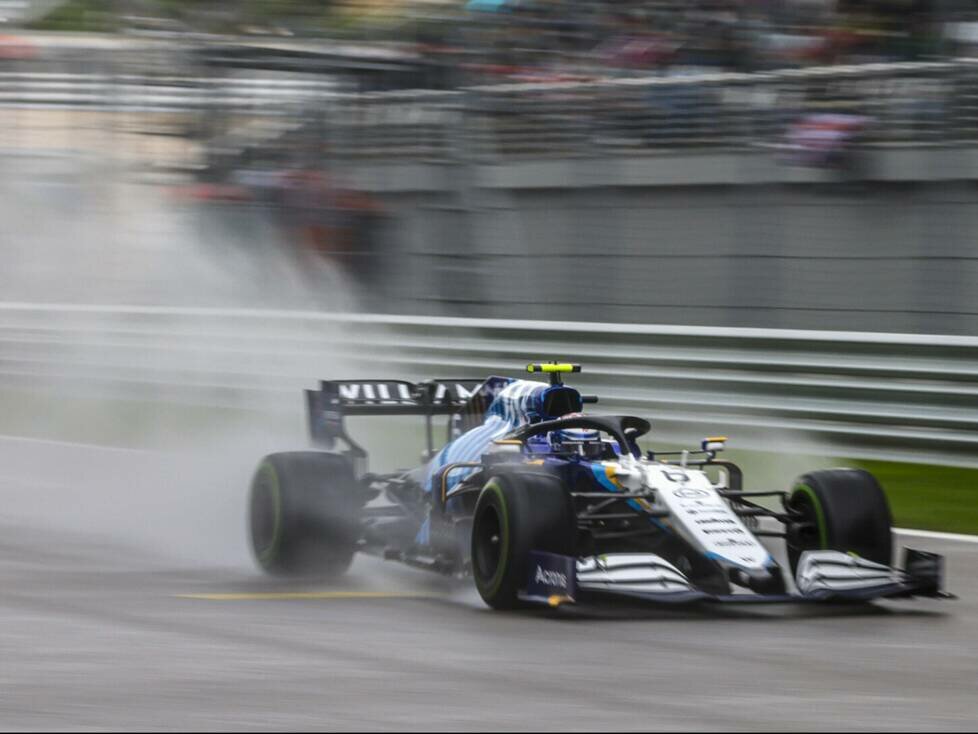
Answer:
[(487, 548), (265, 514)]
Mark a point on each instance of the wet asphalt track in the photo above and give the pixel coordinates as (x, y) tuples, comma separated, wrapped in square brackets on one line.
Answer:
[(98, 630)]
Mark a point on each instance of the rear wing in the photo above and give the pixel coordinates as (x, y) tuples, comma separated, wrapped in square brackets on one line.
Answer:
[(392, 397), (336, 399)]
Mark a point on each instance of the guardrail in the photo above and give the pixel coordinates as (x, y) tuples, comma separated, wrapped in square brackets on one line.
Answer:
[(919, 103), (158, 93), (902, 101), (846, 394)]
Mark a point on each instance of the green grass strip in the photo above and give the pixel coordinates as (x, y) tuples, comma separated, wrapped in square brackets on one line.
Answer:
[(926, 497)]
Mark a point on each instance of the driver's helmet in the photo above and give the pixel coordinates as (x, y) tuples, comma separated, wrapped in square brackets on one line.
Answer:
[(575, 435)]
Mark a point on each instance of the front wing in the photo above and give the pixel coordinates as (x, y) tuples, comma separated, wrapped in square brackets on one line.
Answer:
[(822, 576)]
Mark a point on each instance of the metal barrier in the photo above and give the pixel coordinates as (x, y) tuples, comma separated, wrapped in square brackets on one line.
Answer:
[(157, 93), (919, 103), (891, 396)]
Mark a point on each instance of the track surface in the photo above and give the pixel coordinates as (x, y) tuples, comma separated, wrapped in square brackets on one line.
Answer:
[(97, 631)]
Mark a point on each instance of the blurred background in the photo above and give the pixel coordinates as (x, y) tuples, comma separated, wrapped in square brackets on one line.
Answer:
[(769, 163), (206, 206), (212, 204)]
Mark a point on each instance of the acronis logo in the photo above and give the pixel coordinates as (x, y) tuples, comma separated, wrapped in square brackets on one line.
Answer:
[(550, 578), (549, 574)]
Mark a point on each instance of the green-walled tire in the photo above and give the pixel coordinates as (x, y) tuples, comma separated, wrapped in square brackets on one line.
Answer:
[(304, 513), (840, 509), (517, 513)]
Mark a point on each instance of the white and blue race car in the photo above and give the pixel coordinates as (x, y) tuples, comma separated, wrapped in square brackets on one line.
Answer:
[(542, 503)]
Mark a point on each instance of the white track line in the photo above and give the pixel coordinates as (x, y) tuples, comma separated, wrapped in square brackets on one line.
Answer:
[(959, 537)]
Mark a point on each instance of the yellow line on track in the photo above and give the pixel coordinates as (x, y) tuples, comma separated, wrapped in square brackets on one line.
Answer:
[(292, 595)]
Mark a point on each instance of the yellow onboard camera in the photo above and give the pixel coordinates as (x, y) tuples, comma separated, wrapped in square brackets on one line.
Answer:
[(554, 369)]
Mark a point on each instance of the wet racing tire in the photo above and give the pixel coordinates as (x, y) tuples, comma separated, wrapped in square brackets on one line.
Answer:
[(843, 510), (517, 513), (304, 513)]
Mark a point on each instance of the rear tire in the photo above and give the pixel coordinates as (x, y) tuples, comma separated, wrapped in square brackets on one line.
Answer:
[(515, 514), (304, 513), (842, 510)]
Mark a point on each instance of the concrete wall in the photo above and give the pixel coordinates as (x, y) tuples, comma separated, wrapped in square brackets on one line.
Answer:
[(738, 240)]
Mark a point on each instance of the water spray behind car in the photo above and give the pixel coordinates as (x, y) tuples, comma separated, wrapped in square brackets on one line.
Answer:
[(96, 449)]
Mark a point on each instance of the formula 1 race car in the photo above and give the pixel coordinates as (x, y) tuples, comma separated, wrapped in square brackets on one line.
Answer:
[(541, 503)]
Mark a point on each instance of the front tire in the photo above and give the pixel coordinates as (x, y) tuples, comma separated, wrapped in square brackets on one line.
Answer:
[(843, 510), (304, 514), (515, 514)]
